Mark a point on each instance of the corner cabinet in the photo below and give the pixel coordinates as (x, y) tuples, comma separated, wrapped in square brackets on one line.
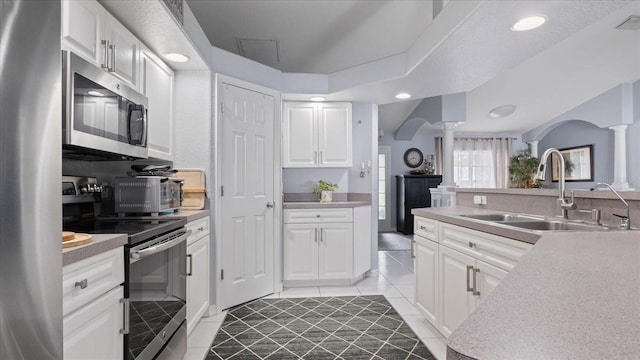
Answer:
[(413, 192), (456, 268), (157, 85), (91, 32), (93, 307), (198, 244), (317, 135), (325, 247)]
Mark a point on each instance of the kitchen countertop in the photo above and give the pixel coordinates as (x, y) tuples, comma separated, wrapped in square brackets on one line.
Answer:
[(191, 215), (573, 296), (100, 244), (318, 205)]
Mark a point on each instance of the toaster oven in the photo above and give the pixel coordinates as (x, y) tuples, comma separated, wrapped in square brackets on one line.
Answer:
[(147, 194)]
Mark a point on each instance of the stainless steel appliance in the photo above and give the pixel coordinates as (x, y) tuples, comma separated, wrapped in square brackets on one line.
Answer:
[(77, 189), (147, 194), (30, 228), (101, 114), (155, 275)]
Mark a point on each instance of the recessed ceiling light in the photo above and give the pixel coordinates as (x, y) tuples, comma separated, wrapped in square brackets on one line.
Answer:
[(403, 95), (95, 93), (502, 111), (175, 57), (529, 23), (317, 98)]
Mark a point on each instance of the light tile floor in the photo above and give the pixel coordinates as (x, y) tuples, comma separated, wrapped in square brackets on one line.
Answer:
[(395, 281)]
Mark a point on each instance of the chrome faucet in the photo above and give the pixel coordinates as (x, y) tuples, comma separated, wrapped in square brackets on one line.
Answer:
[(626, 222), (563, 205)]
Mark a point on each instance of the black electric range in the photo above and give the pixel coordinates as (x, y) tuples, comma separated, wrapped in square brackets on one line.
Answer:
[(139, 230)]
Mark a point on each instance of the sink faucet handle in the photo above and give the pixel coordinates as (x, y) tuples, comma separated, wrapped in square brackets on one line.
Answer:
[(626, 223), (595, 215)]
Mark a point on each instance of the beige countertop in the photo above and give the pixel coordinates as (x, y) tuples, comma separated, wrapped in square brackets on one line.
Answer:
[(318, 205), (99, 244), (575, 295)]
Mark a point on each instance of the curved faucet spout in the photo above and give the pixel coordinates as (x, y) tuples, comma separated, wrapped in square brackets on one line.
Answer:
[(563, 205)]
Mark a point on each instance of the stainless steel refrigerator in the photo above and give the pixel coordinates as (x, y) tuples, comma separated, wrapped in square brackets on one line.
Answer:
[(30, 200)]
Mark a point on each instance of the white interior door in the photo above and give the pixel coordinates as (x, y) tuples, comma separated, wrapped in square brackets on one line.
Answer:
[(247, 242)]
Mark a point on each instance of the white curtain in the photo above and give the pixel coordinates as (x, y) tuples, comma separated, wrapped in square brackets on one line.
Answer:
[(481, 162), (501, 149)]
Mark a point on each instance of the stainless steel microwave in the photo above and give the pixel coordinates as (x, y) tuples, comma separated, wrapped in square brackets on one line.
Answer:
[(101, 114)]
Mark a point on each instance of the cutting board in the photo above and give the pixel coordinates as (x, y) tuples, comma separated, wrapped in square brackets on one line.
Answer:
[(76, 240), (194, 191)]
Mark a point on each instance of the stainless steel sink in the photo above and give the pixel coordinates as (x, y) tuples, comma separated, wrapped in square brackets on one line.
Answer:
[(503, 217), (550, 225), (535, 223)]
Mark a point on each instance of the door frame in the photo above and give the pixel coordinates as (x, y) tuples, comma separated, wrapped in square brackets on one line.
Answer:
[(387, 191), (220, 81)]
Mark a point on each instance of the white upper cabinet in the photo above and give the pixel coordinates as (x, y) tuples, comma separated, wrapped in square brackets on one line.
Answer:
[(92, 33), (82, 29), (157, 85), (317, 134)]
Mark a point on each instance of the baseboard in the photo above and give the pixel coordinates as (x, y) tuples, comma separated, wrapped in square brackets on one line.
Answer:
[(373, 273), (211, 311)]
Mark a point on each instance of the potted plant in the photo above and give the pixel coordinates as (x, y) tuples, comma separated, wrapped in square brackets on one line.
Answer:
[(324, 190), (522, 169)]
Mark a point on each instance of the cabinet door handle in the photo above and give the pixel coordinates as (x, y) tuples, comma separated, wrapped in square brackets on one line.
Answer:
[(320, 157), (413, 253), (471, 244), (201, 228), (469, 288), (190, 272), (316, 238), (82, 284), (105, 57), (422, 227), (113, 58), (315, 157), (475, 285), (125, 320), (320, 230)]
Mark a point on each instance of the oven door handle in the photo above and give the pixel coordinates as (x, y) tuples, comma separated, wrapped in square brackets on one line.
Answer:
[(138, 255)]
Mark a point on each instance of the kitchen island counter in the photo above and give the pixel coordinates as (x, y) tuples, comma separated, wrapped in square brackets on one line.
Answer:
[(573, 296)]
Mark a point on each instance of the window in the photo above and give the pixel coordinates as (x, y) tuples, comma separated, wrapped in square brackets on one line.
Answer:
[(473, 168), (382, 187)]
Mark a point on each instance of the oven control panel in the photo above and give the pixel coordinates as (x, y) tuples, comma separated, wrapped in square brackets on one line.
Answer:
[(77, 189)]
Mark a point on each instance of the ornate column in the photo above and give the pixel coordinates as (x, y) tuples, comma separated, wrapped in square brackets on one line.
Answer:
[(620, 158), (447, 156), (533, 146)]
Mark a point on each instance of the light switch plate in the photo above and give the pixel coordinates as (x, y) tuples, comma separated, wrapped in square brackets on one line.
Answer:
[(477, 199)]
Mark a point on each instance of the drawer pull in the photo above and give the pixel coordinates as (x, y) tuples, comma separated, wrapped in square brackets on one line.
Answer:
[(318, 215), (82, 284), (469, 288), (472, 244), (201, 228), (422, 227)]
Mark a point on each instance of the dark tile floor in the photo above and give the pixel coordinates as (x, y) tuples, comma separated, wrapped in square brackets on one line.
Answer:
[(350, 327)]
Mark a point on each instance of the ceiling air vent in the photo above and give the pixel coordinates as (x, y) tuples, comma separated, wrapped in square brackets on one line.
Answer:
[(260, 50), (632, 23)]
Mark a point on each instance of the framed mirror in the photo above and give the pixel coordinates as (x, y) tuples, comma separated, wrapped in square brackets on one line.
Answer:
[(578, 163)]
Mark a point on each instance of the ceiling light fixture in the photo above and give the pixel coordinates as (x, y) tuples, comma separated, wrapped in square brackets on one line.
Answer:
[(403, 95), (529, 23), (95, 93), (317, 98), (175, 57), (502, 111)]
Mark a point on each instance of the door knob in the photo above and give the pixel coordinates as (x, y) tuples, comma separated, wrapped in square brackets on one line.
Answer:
[(271, 204)]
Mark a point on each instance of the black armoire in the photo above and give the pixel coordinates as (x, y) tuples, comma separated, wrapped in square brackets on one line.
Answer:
[(413, 192)]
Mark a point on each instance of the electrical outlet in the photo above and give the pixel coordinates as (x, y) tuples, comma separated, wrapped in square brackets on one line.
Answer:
[(483, 200), (477, 200)]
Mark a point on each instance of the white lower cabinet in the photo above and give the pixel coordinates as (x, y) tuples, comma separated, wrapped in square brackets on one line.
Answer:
[(426, 290), (457, 268), (198, 245), (326, 246), (94, 307), (93, 332)]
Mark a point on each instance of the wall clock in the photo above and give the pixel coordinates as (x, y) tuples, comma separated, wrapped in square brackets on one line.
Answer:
[(413, 157)]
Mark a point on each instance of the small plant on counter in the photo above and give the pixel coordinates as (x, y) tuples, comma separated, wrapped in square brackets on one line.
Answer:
[(324, 189), (522, 170)]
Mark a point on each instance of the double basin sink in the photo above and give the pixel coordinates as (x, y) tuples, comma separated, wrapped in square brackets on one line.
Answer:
[(536, 223)]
